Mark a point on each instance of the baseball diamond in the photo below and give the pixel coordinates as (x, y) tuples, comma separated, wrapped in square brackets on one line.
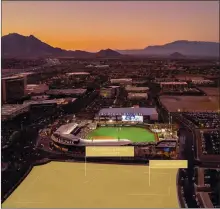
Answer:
[(135, 134)]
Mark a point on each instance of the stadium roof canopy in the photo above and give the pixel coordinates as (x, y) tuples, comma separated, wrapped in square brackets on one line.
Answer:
[(67, 128), (123, 111)]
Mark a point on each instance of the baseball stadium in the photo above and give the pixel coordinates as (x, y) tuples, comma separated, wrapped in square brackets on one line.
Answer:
[(134, 134), (112, 127)]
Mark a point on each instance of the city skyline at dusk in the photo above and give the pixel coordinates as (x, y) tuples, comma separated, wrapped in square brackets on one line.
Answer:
[(93, 26)]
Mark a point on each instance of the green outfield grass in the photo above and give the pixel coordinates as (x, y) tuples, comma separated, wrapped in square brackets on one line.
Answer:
[(135, 134)]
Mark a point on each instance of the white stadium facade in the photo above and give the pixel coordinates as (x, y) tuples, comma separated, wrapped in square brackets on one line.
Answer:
[(66, 136)]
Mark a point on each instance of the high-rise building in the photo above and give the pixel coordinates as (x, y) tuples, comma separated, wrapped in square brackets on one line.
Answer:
[(13, 88)]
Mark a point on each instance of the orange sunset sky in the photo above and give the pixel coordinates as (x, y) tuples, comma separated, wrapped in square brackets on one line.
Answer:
[(93, 26)]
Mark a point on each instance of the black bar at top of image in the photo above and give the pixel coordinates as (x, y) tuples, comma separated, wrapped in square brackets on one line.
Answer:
[(114, 0)]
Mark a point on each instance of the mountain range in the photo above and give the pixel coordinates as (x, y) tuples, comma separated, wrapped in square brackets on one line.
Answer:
[(184, 47), (16, 45)]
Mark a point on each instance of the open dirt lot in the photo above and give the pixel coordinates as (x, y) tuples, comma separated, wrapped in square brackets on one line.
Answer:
[(210, 91), (80, 185)]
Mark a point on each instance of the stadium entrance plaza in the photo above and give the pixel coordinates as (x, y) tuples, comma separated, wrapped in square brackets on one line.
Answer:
[(89, 185)]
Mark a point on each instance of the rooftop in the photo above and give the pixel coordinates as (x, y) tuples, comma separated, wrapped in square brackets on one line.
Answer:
[(78, 73), (36, 88), (189, 77), (121, 80), (66, 91), (12, 77), (135, 88), (173, 83), (137, 95), (25, 73), (13, 109), (50, 101)]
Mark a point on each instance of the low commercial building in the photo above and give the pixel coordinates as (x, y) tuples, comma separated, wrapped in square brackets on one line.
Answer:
[(109, 92), (66, 92), (11, 111), (137, 96), (35, 89), (173, 84), (136, 89), (77, 75), (121, 81)]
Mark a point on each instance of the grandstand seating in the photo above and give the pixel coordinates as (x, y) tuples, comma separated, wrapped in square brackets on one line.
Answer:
[(76, 131)]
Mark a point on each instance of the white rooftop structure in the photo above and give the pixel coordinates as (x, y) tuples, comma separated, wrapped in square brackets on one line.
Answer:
[(101, 66), (36, 88), (89, 66), (137, 95), (77, 73), (136, 88), (173, 83), (121, 80), (66, 129)]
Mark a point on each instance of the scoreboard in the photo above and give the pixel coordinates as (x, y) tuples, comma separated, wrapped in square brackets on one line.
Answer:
[(132, 118)]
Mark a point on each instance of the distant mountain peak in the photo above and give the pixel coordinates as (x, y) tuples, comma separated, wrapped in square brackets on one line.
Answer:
[(14, 34), (108, 53), (177, 55), (32, 36)]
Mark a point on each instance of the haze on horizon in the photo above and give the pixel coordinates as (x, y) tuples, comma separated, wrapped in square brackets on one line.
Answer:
[(99, 25)]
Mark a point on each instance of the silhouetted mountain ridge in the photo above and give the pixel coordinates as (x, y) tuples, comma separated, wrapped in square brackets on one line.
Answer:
[(16, 45), (187, 48)]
